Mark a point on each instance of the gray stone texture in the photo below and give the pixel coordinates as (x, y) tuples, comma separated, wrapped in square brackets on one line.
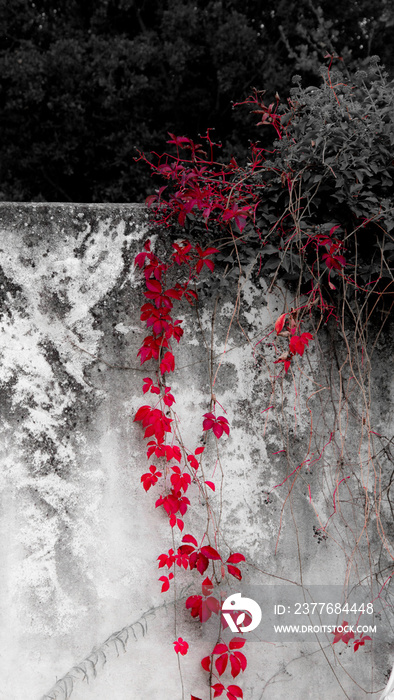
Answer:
[(82, 615)]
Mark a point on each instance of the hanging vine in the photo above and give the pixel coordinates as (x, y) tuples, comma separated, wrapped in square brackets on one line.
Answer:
[(314, 216)]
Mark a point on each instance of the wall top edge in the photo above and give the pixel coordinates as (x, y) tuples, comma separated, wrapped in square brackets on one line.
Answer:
[(88, 205)]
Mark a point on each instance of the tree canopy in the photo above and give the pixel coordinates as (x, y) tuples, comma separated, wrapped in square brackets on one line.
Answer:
[(85, 84)]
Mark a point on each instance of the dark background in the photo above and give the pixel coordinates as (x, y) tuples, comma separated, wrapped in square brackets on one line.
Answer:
[(85, 83)]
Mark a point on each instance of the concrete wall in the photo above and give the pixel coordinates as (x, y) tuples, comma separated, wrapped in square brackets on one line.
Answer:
[(82, 615)]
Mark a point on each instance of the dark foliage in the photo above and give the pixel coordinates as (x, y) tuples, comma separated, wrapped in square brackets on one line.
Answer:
[(84, 84)]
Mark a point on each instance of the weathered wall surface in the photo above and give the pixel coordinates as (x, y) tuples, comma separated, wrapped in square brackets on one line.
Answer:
[(80, 537)]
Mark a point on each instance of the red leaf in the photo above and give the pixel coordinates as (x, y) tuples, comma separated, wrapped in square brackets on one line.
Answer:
[(147, 384), (140, 258), (209, 251), (149, 480), (192, 461), (342, 635), (296, 345), (193, 556), (235, 665), (180, 481), (190, 295), (189, 538), (218, 688), (213, 605), (173, 293), (360, 642), (234, 571), (142, 413), (176, 453), (180, 646), (237, 643), (194, 602), (166, 583), (209, 421), (207, 586), (218, 425), (210, 553), (221, 664), (162, 560), (199, 450), (153, 286), (242, 659), (220, 649), (286, 359), (193, 697), (206, 663), (183, 504), (177, 140), (226, 427), (235, 558), (205, 610), (234, 691), (211, 485), (167, 398), (279, 323), (217, 429), (202, 563), (168, 363), (185, 550)]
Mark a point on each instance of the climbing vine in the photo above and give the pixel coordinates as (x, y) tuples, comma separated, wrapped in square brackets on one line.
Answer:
[(183, 467), (314, 216)]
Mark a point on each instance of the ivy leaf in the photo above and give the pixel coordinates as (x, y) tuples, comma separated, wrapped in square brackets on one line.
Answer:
[(166, 582), (206, 663), (237, 643), (193, 462), (235, 665), (234, 571), (218, 688), (235, 558), (190, 538), (207, 586), (181, 647), (210, 553), (280, 322), (241, 658), (168, 363), (202, 563), (221, 663)]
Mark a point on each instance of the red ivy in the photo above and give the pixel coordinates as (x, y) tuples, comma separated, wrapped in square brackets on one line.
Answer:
[(297, 343), (217, 425), (181, 647), (158, 423), (226, 653), (203, 606), (149, 479)]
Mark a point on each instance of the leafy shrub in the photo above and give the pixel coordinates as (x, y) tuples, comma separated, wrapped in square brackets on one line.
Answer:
[(316, 208)]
